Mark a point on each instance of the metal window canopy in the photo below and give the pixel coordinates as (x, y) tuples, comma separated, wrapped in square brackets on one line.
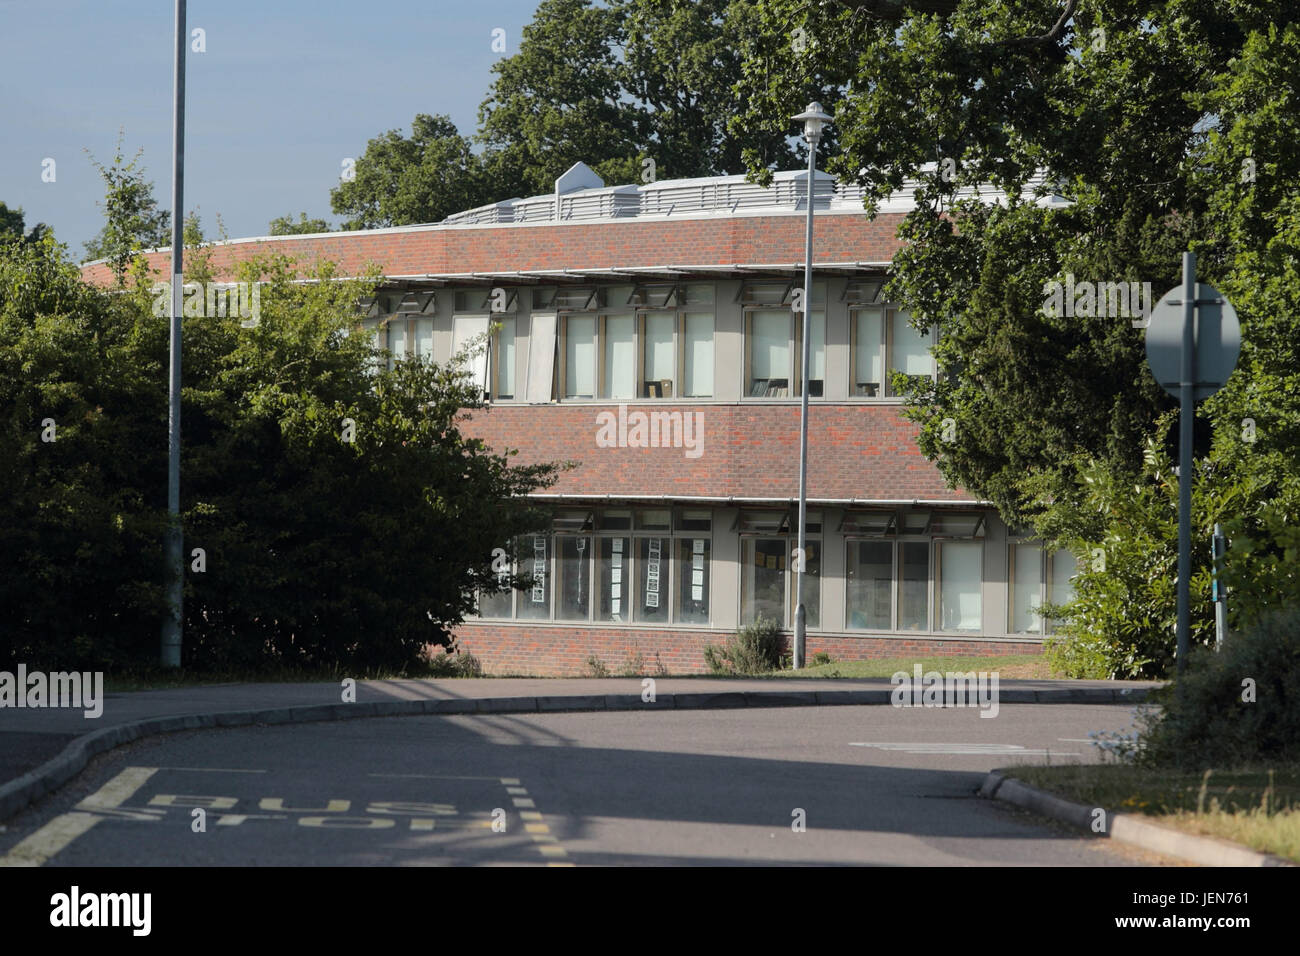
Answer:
[(775, 522), (863, 291), (417, 303), (874, 524), (467, 300)]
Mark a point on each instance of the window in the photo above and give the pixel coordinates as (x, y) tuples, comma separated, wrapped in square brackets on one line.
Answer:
[(909, 350), (693, 587), (775, 354), (574, 594), (659, 371), (654, 556), (697, 343), (468, 336), (503, 362), (580, 356), (1026, 588), (961, 566), (914, 586), (870, 584), (615, 579), (497, 604), (619, 372), (1061, 568), (541, 359), (868, 330), (534, 561), (424, 339), (397, 341), (762, 581)]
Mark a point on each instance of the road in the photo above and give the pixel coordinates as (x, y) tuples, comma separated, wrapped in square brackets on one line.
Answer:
[(872, 785)]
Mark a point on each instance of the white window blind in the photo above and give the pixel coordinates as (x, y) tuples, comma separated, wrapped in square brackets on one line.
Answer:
[(699, 356), (424, 338), (659, 365), (620, 356), (770, 346), (464, 330), (580, 356), (961, 572), (911, 352), (868, 358), (541, 358)]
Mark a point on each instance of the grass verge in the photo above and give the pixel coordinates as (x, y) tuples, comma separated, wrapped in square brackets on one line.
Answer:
[(1258, 807)]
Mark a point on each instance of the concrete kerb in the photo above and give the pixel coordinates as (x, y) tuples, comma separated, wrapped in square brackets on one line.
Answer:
[(1127, 828), (19, 793)]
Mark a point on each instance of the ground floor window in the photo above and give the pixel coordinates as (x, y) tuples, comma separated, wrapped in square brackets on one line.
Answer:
[(768, 585)]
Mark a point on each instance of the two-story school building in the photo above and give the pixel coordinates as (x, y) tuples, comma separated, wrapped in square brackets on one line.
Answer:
[(648, 333)]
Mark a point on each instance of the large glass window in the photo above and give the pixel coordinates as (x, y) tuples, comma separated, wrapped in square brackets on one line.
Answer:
[(424, 339), (660, 370), (574, 602), (812, 583), (495, 604), (1062, 566), (771, 358), (909, 349), (534, 560), (693, 586), (698, 348), (961, 575), (397, 341), (869, 353), (914, 586), (615, 579), (762, 579), (654, 556), (870, 582), (580, 356), (620, 357), (1026, 588)]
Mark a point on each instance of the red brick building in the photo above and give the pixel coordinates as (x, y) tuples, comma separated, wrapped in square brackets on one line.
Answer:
[(648, 334)]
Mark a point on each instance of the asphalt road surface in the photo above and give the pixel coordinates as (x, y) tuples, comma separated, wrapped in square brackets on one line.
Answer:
[(832, 785)]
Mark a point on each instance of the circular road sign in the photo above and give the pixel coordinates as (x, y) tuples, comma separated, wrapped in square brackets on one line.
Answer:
[(1215, 329)]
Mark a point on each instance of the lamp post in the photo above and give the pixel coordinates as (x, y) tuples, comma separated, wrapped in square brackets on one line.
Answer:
[(171, 628), (813, 121)]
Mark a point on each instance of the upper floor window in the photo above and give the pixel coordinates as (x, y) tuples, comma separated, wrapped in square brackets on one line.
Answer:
[(885, 342), (774, 353)]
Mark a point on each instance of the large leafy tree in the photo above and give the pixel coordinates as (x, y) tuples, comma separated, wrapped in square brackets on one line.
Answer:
[(287, 226), (636, 89), (1167, 126), (423, 177), (13, 222), (345, 518)]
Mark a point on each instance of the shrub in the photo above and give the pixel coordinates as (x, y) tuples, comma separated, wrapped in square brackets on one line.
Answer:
[(596, 667), (755, 649), (1240, 706), (821, 657)]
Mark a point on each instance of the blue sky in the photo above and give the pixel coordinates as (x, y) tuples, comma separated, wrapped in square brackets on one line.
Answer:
[(285, 91)]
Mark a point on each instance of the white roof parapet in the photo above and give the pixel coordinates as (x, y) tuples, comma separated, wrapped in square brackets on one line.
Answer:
[(717, 193)]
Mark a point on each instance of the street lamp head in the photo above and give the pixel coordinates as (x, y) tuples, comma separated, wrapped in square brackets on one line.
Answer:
[(813, 121)]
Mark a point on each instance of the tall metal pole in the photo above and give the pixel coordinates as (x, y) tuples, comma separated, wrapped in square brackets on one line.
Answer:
[(171, 632), (1186, 413), (800, 612)]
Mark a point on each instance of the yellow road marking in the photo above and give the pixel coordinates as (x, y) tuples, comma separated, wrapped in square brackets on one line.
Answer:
[(118, 790), (510, 781), (40, 846), (536, 828), (523, 801)]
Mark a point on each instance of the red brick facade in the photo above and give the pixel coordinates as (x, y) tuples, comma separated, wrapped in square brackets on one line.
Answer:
[(563, 650), (862, 451), (416, 250)]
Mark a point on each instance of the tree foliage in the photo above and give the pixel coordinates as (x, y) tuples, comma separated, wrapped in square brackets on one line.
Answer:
[(286, 226), (132, 220), (1166, 126), (317, 550)]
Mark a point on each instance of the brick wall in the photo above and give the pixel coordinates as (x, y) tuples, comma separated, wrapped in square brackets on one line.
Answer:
[(839, 237), (562, 650), (752, 451)]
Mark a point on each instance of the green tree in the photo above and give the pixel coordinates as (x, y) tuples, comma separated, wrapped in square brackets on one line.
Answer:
[(132, 220), (285, 225), (324, 547), (421, 178), (1166, 126), (12, 224)]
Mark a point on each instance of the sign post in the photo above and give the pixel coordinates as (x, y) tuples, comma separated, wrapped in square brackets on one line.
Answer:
[(1192, 341)]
